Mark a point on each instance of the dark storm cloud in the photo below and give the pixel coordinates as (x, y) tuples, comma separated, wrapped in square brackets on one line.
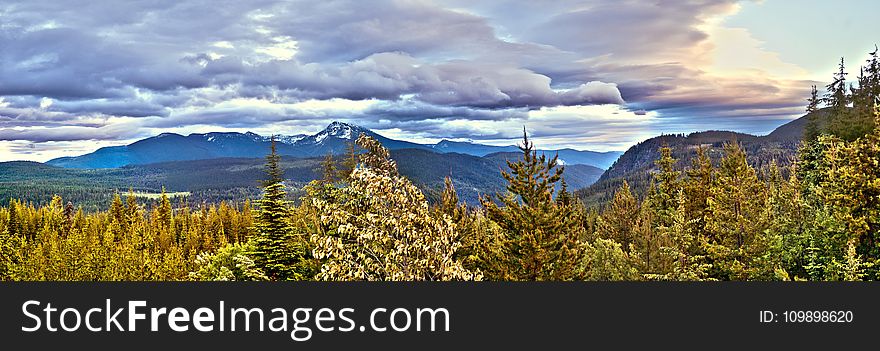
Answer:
[(126, 108)]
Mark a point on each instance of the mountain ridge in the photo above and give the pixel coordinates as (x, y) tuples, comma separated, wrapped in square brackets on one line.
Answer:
[(167, 147), (637, 163)]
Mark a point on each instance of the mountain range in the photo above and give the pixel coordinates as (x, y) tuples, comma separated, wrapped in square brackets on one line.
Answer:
[(168, 147), (228, 166)]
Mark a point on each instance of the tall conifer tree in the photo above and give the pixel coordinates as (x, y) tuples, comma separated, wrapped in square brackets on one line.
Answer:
[(277, 248), (540, 240)]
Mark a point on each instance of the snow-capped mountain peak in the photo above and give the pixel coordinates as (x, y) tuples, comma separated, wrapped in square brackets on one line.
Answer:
[(337, 130), (341, 130)]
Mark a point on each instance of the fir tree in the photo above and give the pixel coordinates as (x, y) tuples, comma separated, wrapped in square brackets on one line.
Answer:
[(811, 130), (449, 202), (540, 236), (67, 217), (735, 204), (350, 162), (328, 170), (679, 254), (277, 249), (165, 212), (117, 211), (666, 185), (696, 190), (836, 96), (620, 220), (13, 225)]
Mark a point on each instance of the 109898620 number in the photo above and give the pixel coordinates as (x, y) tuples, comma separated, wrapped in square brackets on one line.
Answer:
[(815, 316), (818, 316)]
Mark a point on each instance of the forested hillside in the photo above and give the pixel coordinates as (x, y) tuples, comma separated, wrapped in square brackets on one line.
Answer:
[(637, 164)]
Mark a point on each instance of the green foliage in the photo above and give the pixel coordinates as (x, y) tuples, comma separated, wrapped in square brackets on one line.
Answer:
[(229, 263), (278, 249), (328, 169), (620, 220), (605, 260), (734, 223), (811, 130), (540, 238), (349, 162)]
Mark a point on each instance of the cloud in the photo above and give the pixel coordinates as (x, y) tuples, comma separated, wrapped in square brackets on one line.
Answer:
[(118, 131), (102, 71)]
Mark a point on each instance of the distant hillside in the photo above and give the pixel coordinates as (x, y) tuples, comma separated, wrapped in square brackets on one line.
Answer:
[(168, 147), (469, 148), (637, 163), (473, 176), (793, 132), (577, 176), (601, 160), (217, 179)]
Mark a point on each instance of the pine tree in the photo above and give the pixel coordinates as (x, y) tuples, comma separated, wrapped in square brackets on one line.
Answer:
[(871, 85), (785, 236), (849, 191), (540, 236), (67, 217), (13, 226), (620, 220), (811, 130), (277, 248), (117, 212), (350, 162), (564, 197), (697, 190), (165, 212), (666, 185), (680, 255), (844, 121), (328, 170), (836, 96), (736, 204), (449, 202), (648, 238), (131, 207)]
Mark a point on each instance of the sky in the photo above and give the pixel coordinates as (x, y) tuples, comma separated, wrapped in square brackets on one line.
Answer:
[(591, 75)]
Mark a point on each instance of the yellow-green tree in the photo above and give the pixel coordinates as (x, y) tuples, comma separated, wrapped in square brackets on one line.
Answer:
[(540, 235), (736, 231)]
